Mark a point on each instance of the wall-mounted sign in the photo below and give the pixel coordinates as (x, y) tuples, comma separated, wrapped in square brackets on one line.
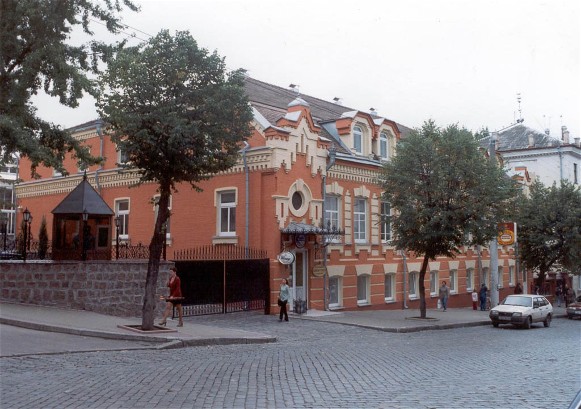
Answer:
[(319, 271), (507, 234), (286, 258), (300, 240)]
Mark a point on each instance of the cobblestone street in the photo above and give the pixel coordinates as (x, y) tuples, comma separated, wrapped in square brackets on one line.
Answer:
[(314, 364)]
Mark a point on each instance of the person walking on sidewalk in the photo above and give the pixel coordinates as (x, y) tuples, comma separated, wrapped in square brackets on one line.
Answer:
[(444, 294), (474, 299), (175, 298), (518, 289), (283, 299), (483, 293)]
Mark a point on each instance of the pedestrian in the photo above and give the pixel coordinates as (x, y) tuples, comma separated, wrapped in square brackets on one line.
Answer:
[(518, 289), (559, 295), (483, 293), (283, 297), (444, 294), (175, 298), (474, 299)]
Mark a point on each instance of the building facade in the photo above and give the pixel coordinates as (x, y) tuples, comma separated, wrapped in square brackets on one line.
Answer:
[(287, 194)]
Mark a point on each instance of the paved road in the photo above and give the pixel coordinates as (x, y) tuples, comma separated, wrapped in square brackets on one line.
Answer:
[(314, 364), (21, 341)]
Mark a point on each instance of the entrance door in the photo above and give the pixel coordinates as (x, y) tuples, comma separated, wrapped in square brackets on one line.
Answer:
[(299, 279)]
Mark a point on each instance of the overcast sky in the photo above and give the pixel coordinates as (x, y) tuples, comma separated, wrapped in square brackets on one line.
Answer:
[(454, 61)]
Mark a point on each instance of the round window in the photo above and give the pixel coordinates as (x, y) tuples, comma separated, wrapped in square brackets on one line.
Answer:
[(297, 200)]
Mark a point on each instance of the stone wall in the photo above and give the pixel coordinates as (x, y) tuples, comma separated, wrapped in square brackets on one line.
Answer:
[(106, 287)]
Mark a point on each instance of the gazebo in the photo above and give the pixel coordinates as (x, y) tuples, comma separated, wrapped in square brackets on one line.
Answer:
[(82, 226)]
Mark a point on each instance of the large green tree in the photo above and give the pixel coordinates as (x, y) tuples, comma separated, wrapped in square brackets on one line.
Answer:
[(549, 232), (443, 189), (35, 55), (178, 116)]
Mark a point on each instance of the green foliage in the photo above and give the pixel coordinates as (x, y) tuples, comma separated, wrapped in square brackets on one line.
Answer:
[(178, 117), (36, 57), (442, 188), (549, 232), (42, 239)]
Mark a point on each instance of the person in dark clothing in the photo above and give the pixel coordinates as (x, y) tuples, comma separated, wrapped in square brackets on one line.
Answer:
[(483, 293)]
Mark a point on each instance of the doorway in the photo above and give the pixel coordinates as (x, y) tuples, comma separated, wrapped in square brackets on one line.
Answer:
[(298, 285)]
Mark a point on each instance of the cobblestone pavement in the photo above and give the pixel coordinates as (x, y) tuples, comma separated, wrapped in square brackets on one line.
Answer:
[(314, 364)]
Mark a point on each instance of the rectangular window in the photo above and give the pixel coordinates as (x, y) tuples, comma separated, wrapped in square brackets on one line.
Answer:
[(121, 156), (122, 211), (383, 145), (453, 281), (469, 279), (389, 287), (413, 283), (385, 222), (575, 179), (332, 212), (334, 288), (227, 213), (433, 282), (485, 276), (511, 275), (362, 289), (500, 277), (360, 221), (357, 139)]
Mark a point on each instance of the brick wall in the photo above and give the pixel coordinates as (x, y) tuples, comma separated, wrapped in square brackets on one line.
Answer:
[(106, 287)]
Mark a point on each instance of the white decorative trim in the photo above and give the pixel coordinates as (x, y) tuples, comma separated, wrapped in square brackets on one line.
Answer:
[(363, 269)]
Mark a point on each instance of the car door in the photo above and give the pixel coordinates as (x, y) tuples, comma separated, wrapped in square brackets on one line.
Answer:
[(537, 314)]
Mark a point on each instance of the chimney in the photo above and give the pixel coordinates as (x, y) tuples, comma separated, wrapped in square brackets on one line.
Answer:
[(577, 143), (531, 140), (565, 135), (337, 101), (547, 132)]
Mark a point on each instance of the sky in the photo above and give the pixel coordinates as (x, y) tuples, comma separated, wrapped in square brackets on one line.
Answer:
[(453, 61)]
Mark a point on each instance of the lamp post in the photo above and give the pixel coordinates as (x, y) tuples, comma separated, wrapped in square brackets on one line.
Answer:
[(85, 238), (117, 222), (29, 233), (26, 218)]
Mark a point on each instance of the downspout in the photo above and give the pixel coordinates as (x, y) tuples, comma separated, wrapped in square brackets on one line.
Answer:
[(332, 155), (247, 187), (100, 133), (405, 269)]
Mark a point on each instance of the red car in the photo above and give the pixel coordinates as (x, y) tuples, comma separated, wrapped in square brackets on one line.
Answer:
[(574, 309)]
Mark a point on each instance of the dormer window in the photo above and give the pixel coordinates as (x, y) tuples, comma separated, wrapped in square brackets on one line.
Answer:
[(383, 146), (358, 139)]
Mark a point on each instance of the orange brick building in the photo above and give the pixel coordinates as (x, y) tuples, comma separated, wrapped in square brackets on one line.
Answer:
[(275, 198)]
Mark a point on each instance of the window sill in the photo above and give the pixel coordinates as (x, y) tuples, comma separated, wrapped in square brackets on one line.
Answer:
[(224, 240), (362, 303)]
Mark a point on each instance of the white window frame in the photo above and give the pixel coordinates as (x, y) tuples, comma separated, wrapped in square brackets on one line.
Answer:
[(230, 208), (358, 139), (453, 281), (500, 276), (360, 220), (385, 231), (511, 281), (121, 156), (413, 283), (384, 146), (434, 280), (123, 216), (338, 282), (469, 279), (485, 278), (389, 287), (331, 214), (366, 278)]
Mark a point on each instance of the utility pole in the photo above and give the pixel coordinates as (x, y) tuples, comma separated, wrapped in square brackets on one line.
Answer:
[(493, 246)]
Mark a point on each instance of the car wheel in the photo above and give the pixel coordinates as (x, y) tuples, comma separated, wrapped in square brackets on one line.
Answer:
[(527, 323), (547, 321), (495, 324)]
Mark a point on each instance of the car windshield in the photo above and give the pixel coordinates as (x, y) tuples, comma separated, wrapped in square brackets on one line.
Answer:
[(518, 300)]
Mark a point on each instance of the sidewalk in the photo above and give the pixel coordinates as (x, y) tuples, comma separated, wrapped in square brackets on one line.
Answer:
[(88, 323)]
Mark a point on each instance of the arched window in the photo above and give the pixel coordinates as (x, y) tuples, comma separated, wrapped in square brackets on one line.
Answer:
[(358, 139), (383, 146)]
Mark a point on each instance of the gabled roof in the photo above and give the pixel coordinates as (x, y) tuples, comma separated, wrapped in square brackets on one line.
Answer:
[(83, 197), (517, 137)]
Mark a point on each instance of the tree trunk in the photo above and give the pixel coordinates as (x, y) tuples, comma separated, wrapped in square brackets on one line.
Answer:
[(155, 249), (422, 287)]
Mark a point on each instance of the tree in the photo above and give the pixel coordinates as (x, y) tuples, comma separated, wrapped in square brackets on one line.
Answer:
[(442, 188), (42, 239), (35, 56), (549, 232), (178, 116)]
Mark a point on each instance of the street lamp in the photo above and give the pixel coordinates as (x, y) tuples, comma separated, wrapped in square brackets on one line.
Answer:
[(29, 233), (85, 238), (26, 218), (117, 223)]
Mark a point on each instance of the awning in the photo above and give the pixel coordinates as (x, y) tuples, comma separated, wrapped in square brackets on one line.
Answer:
[(304, 228)]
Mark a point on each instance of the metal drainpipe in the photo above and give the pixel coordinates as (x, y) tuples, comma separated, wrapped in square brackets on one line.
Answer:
[(244, 150), (100, 133), (332, 155), (405, 268)]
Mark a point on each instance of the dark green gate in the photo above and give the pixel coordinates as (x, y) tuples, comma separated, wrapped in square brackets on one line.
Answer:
[(223, 279)]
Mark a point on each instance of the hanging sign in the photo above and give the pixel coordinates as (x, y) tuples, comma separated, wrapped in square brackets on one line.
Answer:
[(286, 258), (300, 240), (507, 234)]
